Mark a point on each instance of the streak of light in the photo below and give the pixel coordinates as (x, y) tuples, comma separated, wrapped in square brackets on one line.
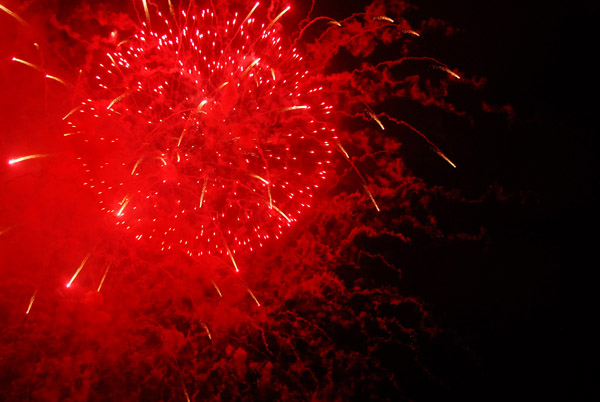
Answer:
[(273, 74), (364, 182), (440, 153), (447, 71), (255, 62), (434, 147), (5, 230), (281, 213), (58, 80), (187, 397), (217, 288), (137, 164), (259, 178), (71, 112), (171, 9), (278, 17), (249, 14), (207, 331), (201, 105), (15, 16), (24, 158), (78, 270), (231, 256), (146, 11), (252, 295), (411, 32), (31, 301), (223, 85), (383, 18), (28, 64), (286, 109), (103, 277), (203, 191), (163, 160), (371, 197), (117, 99), (268, 188), (123, 203), (374, 117)]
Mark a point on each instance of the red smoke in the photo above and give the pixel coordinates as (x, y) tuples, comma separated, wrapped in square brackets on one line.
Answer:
[(169, 172)]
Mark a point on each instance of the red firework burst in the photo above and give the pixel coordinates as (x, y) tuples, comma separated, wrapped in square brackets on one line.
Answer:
[(203, 135)]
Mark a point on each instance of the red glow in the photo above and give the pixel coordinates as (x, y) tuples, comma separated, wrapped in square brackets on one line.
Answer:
[(224, 174)]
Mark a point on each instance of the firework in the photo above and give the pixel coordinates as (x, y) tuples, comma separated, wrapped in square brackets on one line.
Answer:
[(202, 135)]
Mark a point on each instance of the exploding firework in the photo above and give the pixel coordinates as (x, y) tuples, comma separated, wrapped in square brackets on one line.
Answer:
[(204, 135)]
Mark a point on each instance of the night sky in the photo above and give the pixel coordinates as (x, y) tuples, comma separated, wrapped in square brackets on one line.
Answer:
[(470, 283)]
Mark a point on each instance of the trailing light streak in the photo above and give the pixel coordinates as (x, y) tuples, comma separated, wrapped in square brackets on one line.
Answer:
[(374, 117), (15, 16), (28, 64), (5, 230), (217, 288), (117, 99), (281, 213), (24, 158), (58, 80), (383, 18), (255, 62), (123, 205), (146, 10), (231, 256), (203, 191), (207, 330), (252, 295), (286, 109), (364, 182), (278, 17), (31, 301), (371, 197), (78, 270), (103, 277)]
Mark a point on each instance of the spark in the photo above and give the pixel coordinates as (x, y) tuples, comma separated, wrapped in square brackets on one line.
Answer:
[(76, 108), (230, 256), (281, 213), (207, 330), (24, 158), (31, 301), (146, 11), (28, 64), (259, 178), (58, 80), (371, 197), (374, 117), (217, 289), (255, 62), (15, 16), (252, 295), (117, 99), (278, 17), (383, 18), (103, 277), (286, 109), (203, 191), (78, 270), (364, 182), (123, 203)]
